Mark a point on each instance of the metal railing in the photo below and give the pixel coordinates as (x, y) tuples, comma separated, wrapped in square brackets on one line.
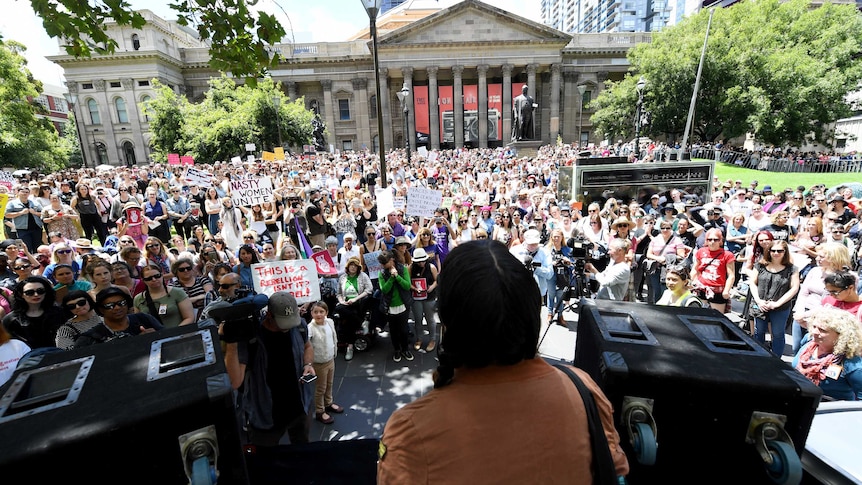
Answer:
[(834, 164)]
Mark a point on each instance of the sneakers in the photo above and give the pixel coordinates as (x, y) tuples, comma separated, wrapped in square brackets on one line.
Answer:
[(407, 355), (349, 354), (397, 357)]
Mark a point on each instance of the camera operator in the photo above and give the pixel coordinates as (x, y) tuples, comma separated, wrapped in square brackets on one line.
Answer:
[(614, 280), (229, 292), (536, 259)]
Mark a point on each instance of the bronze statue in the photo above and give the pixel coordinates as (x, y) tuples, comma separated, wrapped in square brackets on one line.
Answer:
[(522, 128), (319, 140)]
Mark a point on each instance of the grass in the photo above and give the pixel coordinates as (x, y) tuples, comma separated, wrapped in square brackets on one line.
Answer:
[(780, 181)]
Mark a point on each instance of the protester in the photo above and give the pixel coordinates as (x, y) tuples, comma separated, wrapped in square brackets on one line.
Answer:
[(775, 284), (324, 340), (11, 351), (830, 354), (114, 305), (35, 317), (84, 317)]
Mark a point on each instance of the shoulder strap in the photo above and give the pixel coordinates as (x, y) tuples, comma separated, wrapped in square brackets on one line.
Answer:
[(603, 464), (152, 306)]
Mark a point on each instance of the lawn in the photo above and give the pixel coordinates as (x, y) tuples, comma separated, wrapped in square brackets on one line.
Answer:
[(780, 181)]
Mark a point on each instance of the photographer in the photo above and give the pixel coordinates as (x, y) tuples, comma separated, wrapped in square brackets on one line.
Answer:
[(535, 259), (614, 280), (229, 291), (561, 277)]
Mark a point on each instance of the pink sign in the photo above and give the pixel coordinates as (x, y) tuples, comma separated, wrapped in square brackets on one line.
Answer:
[(324, 263), (173, 158), (187, 160)]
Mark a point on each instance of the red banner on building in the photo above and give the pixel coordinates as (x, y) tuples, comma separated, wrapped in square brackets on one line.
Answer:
[(420, 110)]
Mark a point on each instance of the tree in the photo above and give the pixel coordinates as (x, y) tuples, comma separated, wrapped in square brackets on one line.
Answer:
[(779, 70), (229, 117), (240, 37), (26, 140)]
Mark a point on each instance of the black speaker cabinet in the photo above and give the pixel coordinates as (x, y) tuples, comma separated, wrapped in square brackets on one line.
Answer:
[(705, 389), (134, 410)]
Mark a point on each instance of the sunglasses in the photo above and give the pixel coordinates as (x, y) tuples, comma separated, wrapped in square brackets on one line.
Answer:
[(248, 237), (622, 225), (37, 291), (481, 237), (64, 251), (778, 251), (151, 278), (22, 268), (152, 246), (219, 242), (75, 304), (208, 240), (665, 229), (225, 286), (110, 306), (184, 269), (713, 239)]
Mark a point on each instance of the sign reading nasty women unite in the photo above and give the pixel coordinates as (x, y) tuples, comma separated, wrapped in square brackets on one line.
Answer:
[(249, 192)]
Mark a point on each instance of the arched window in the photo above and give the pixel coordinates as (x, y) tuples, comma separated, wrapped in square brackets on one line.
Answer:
[(372, 108), (375, 143), (144, 109), (93, 107), (129, 153), (136, 42), (122, 115)]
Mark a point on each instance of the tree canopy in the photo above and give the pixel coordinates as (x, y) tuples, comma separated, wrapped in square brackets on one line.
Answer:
[(779, 70), (26, 139), (240, 37), (229, 117)]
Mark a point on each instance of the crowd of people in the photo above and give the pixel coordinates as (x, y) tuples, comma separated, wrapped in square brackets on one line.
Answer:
[(90, 256)]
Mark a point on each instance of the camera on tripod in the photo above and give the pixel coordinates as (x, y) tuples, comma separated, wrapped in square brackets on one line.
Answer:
[(580, 247)]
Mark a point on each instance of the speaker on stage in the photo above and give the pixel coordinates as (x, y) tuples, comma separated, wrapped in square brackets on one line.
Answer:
[(693, 395), (152, 408)]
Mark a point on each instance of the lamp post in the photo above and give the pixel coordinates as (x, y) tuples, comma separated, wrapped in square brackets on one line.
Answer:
[(72, 99), (581, 89), (372, 7), (276, 100), (640, 87), (403, 96)]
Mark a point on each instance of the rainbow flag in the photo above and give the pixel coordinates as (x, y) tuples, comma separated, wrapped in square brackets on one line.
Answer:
[(304, 247)]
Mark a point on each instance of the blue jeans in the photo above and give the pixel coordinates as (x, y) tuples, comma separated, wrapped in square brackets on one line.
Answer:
[(777, 319), (555, 301), (425, 310), (797, 332)]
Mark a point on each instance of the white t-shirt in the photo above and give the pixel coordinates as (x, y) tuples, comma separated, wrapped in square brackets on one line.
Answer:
[(10, 353)]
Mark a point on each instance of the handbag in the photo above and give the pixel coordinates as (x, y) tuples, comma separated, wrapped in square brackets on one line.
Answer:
[(604, 470)]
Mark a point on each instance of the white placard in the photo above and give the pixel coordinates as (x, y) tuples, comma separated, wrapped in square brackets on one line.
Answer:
[(399, 202), (298, 277), (250, 147), (236, 160), (198, 177), (249, 192), (423, 202), (423, 152), (385, 203)]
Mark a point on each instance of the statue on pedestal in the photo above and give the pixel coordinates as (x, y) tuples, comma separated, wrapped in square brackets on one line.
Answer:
[(319, 127), (522, 112)]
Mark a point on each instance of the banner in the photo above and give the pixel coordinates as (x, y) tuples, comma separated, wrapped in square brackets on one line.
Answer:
[(7, 179), (420, 110), (447, 114), (249, 192), (198, 177), (297, 277), (423, 202)]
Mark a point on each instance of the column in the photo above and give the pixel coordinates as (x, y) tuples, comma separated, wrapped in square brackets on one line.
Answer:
[(134, 115), (571, 103), (433, 109), (360, 112), (483, 105), (458, 105), (507, 103), (107, 124), (291, 91), (410, 136), (329, 110), (555, 102), (531, 79), (387, 113)]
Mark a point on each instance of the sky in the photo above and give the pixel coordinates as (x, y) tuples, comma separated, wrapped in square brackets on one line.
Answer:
[(312, 21)]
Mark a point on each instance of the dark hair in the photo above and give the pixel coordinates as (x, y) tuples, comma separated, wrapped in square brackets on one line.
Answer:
[(251, 250), (109, 292), (489, 305), (75, 294), (21, 305), (842, 278), (385, 256)]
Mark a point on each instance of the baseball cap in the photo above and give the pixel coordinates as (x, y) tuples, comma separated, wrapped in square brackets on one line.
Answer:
[(532, 237), (284, 310)]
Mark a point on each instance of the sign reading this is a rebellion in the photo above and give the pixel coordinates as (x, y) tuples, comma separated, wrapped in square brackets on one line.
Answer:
[(249, 192), (297, 277)]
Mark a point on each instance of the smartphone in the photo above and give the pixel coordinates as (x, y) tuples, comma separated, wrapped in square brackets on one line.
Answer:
[(308, 378)]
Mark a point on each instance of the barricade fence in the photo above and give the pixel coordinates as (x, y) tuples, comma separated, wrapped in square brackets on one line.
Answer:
[(755, 161)]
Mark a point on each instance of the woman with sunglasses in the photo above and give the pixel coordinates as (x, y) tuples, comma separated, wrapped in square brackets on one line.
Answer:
[(35, 317), (713, 271), (504, 231), (660, 250), (84, 317), (187, 279), (114, 305), (170, 306), (831, 257), (425, 241), (774, 285), (59, 217), (157, 254), (85, 205), (63, 254)]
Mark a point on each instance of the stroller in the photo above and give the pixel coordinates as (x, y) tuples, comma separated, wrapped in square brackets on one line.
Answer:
[(353, 324)]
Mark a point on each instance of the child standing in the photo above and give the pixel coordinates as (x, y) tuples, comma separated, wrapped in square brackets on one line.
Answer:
[(321, 332)]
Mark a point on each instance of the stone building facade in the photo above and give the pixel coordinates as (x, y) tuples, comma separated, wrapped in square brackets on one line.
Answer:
[(461, 65)]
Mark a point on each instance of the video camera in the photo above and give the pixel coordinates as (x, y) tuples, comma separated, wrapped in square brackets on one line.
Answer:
[(580, 247)]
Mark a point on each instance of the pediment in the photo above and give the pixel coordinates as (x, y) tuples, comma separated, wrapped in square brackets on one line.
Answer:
[(472, 22)]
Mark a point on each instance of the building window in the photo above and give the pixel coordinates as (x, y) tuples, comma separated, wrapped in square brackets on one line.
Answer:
[(93, 107), (347, 145), (87, 86), (588, 96), (136, 42), (129, 154), (143, 83), (344, 109), (122, 115), (115, 84), (372, 108), (144, 110), (375, 143)]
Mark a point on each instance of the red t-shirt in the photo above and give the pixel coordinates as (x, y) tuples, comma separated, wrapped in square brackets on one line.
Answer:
[(712, 265), (849, 306)]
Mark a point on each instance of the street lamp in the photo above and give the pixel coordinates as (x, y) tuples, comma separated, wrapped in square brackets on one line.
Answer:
[(72, 99), (276, 100), (581, 89), (372, 7), (403, 96), (640, 87)]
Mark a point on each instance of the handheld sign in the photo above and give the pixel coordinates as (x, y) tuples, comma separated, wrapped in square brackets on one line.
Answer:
[(198, 177), (422, 202), (249, 192), (297, 277)]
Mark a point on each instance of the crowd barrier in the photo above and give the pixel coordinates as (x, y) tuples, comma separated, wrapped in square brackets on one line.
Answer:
[(835, 164)]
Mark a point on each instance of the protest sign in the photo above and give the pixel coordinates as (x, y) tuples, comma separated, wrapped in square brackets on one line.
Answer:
[(384, 202), (198, 177), (249, 192), (250, 159), (423, 152), (325, 265), (173, 158), (482, 198), (268, 156), (422, 202), (250, 147), (372, 264), (297, 277), (279, 153), (447, 202), (7, 179), (399, 202), (236, 160), (187, 160)]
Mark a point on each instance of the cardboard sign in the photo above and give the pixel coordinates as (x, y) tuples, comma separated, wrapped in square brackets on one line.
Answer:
[(384, 202), (198, 177), (236, 160), (249, 192), (250, 159), (422, 285), (279, 153), (325, 265), (173, 158), (250, 147), (187, 160), (399, 202), (372, 264), (447, 202), (268, 156), (7, 179), (423, 152), (423, 202), (297, 277), (482, 198)]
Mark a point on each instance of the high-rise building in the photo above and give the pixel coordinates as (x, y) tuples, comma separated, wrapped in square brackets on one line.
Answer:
[(387, 5), (593, 16)]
